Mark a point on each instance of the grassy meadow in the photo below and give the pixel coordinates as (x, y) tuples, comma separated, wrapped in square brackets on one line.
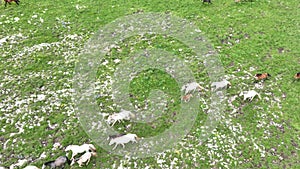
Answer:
[(41, 41)]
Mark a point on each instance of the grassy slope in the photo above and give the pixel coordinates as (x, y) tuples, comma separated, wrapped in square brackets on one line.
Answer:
[(261, 27)]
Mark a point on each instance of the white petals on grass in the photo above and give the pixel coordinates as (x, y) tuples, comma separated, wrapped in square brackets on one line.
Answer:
[(41, 97), (78, 7), (23, 113), (43, 155), (12, 39), (105, 62), (16, 19), (260, 148), (20, 163), (117, 60), (56, 146)]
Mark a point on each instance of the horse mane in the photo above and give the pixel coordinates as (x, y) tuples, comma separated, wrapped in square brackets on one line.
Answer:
[(117, 135), (49, 162), (68, 160)]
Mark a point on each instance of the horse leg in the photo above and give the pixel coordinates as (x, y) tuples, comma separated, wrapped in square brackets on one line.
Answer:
[(259, 96), (115, 146), (73, 155), (88, 161), (114, 123)]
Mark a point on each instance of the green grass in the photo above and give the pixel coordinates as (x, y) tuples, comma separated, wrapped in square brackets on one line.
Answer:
[(245, 35)]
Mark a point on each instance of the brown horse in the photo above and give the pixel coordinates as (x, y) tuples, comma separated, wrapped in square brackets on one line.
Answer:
[(186, 98), (261, 76), (9, 1), (297, 76)]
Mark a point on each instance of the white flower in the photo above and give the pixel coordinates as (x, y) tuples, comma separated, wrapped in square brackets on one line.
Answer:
[(56, 145), (251, 69), (159, 161), (41, 97), (117, 60), (197, 30), (43, 155), (105, 62), (16, 19)]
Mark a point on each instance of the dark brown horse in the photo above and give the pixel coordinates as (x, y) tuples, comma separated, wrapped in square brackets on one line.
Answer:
[(9, 1), (208, 1)]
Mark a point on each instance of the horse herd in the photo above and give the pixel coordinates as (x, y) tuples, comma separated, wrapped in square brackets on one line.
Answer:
[(89, 150), (85, 150), (189, 88)]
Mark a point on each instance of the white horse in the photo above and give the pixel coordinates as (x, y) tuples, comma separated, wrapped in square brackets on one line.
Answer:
[(30, 167), (118, 117), (123, 139), (191, 87), (76, 149), (85, 158), (220, 85), (250, 94), (20, 163)]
